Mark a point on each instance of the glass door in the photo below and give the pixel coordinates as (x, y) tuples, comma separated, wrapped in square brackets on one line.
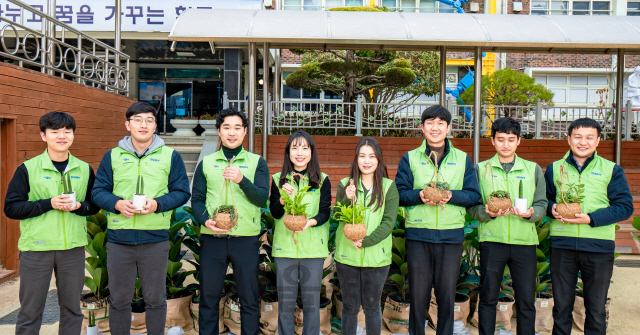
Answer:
[(179, 100)]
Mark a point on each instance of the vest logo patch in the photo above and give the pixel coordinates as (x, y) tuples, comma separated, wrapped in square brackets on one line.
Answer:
[(596, 174), (154, 160), (45, 177), (451, 163), (423, 163), (125, 159), (243, 167), (216, 166), (343, 256), (419, 220), (559, 228), (75, 177), (115, 221), (40, 242), (488, 234), (521, 177), (279, 249)]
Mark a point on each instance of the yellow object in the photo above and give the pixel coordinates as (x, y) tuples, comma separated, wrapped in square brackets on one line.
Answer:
[(372, 3)]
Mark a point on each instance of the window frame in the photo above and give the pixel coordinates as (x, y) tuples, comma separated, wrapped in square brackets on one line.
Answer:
[(570, 8)]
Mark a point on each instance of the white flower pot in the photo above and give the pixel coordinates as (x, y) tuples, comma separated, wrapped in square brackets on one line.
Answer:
[(92, 330), (72, 196), (184, 128), (209, 127), (139, 201), (521, 204)]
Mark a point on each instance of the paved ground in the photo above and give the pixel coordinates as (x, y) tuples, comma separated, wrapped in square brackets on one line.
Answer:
[(624, 292)]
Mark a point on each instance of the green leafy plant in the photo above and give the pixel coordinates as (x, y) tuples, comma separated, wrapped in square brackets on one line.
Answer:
[(520, 190), (440, 185), (96, 265), (399, 274), (636, 224), (499, 194), (140, 186), (92, 319), (349, 214), (66, 184), (175, 275), (229, 209), (137, 294), (226, 208), (294, 206), (570, 193)]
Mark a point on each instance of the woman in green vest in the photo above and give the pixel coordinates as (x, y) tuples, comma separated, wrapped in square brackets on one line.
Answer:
[(299, 255), (363, 265)]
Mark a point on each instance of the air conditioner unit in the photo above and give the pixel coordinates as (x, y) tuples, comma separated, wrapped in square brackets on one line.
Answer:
[(517, 6), (474, 7)]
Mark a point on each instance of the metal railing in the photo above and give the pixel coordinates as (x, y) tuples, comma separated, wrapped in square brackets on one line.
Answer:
[(79, 56), (403, 119)]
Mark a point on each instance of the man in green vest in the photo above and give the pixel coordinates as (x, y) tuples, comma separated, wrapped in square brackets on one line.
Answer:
[(509, 237), (435, 231), (584, 244), (53, 230), (244, 177), (138, 239)]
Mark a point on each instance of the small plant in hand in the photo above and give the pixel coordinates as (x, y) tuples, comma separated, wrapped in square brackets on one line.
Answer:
[(498, 200), (92, 319), (295, 218), (352, 216), (570, 195), (226, 216), (139, 198), (437, 189), (68, 190)]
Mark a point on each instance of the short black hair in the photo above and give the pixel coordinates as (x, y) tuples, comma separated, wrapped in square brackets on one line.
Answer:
[(140, 107), (505, 125), (231, 111), (57, 120), (584, 122), (436, 111)]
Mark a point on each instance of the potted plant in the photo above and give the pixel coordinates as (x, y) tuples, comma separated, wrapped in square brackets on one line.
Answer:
[(396, 308), (184, 126), (226, 216), (137, 305), (521, 202), (139, 198), (570, 196), (208, 122), (68, 190), (437, 189), (498, 200), (92, 329), (295, 217), (352, 216)]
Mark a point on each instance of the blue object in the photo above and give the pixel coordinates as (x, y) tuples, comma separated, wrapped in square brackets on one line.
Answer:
[(457, 4)]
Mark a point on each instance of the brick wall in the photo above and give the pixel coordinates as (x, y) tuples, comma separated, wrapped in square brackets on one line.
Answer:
[(522, 60), (99, 115), (289, 58)]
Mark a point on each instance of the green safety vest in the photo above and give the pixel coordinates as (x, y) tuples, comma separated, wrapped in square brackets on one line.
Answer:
[(312, 243), (378, 255), (213, 166), (55, 229), (596, 178), (452, 168), (510, 229), (155, 168)]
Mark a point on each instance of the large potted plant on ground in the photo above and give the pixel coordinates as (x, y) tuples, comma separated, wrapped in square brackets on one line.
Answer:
[(396, 308), (184, 126), (97, 300), (208, 123)]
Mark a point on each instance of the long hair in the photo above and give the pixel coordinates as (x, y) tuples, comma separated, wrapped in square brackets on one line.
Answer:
[(313, 168), (377, 196)]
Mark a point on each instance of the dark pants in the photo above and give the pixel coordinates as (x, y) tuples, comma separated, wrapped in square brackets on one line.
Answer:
[(437, 265), (35, 277), (148, 260), (522, 263), (361, 286), (596, 269), (244, 254), (307, 273)]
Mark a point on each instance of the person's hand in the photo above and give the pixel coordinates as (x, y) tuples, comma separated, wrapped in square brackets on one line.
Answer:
[(556, 214), (429, 202), (310, 222), (580, 219), (212, 225), (150, 207), (350, 191), (524, 215), (445, 200), (357, 244), (233, 174), (288, 189), (126, 208), (425, 200), (60, 201), (69, 208), (496, 214)]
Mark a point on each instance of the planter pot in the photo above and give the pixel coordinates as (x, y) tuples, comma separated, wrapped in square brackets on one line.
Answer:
[(544, 313), (325, 316), (209, 127), (521, 204), (89, 303), (138, 306), (184, 128), (396, 314), (72, 196), (179, 312), (92, 330), (139, 201)]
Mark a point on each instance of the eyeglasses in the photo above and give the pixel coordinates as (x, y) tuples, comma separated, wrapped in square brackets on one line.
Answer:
[(138, 120)]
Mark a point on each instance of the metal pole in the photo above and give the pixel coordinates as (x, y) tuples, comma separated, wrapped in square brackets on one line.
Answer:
[(629, 121), (252, 94), (265, 98), (619, 103), (538, 119), (277, 77), (117, 42), (477, 101), (443, 75), (359, 101), (51, 35)]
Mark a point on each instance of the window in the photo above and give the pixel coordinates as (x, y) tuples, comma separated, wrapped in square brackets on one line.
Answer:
[(421, 6), (320, 4), (633, 8), (573, 7), (575, 90)]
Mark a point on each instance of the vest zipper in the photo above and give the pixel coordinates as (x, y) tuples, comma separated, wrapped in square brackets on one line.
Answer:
[(579, 182), (134, 214), (508, 216), (64, 228)]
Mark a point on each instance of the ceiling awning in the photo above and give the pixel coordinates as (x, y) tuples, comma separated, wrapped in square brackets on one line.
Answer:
[(409, 31)]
